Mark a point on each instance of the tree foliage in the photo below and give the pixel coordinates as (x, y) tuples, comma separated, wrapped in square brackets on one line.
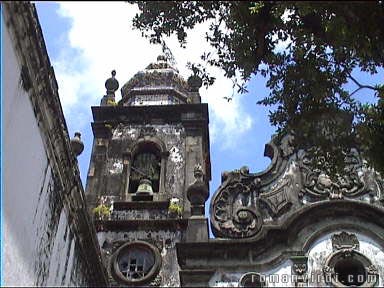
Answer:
[(325, 43)]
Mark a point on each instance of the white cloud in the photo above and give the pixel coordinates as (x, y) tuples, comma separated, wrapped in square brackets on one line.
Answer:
[(103, 39)]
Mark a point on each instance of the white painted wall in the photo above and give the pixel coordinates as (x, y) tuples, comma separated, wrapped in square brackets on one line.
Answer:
[(24, 164), (38, 246), (322, 248)]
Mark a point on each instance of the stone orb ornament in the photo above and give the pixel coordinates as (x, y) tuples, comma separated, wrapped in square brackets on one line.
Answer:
[(112, 84), (76, 144)]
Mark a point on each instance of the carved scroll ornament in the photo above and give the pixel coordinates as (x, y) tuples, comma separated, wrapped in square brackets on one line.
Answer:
[(245, 200), (235, 212), (236, 207)]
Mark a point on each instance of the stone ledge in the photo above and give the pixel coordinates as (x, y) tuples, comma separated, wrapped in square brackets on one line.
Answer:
[(170, 113), (144, 205), (195, 278), (156, 224)]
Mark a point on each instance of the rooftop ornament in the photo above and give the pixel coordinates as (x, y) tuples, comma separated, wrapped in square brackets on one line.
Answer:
[(112, 84), (161, 58), (197, 192), (76, 144)]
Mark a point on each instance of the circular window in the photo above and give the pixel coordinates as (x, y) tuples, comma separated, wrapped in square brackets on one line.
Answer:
[(136, 263), (349, 268), (350, 272), (251, 280)]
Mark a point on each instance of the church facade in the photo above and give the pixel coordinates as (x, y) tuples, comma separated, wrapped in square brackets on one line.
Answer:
[(291, 225)]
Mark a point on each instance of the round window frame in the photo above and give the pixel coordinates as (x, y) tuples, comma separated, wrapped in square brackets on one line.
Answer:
[(250, 275), (152, 273), (334, 258)]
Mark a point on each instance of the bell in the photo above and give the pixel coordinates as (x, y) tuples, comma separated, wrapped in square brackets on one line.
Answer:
[(145, 187)]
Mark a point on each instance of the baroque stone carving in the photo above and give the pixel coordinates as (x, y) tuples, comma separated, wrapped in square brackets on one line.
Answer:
[(236, 206), (361, 271), (372, 269), (277, 200), (286, 145), (245, 200), (235, 212), (318, 184), (147, 131), (299, 270), (345, 240)]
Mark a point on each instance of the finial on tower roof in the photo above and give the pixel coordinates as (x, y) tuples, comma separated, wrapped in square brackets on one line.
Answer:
[(112, 84), (162, 58), (168, 54)]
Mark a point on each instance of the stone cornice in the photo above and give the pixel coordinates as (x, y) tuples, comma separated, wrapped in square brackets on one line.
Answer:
[(199, 277), (168, 113), (135, 225), (126, 205)]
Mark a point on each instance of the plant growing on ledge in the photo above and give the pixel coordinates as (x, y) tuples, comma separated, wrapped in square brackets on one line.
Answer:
[(174, 208), (109, 126), (111, 102), (101, 212)]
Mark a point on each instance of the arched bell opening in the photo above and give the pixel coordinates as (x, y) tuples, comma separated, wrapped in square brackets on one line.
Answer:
[(145, 166)]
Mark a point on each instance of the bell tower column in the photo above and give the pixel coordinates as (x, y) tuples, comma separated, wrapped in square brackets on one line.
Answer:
[(151, 137)]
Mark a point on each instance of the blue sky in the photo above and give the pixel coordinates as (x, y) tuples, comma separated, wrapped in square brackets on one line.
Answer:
[(85, 41)]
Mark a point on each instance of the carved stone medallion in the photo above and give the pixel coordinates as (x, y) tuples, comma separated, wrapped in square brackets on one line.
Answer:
[(318, 184), (235, 212)]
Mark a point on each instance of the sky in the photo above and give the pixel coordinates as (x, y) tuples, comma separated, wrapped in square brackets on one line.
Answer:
[(86, 41)]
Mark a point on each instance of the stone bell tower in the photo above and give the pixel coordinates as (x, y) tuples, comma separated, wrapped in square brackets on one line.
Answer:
[(148, 173)]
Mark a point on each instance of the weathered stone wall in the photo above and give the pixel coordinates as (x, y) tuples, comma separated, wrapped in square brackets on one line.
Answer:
[(110, 175), (140, 214), (47, 237), (106, 176)]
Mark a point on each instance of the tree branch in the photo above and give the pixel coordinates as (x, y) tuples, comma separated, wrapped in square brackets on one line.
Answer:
[(350, 95), (360, 85)]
